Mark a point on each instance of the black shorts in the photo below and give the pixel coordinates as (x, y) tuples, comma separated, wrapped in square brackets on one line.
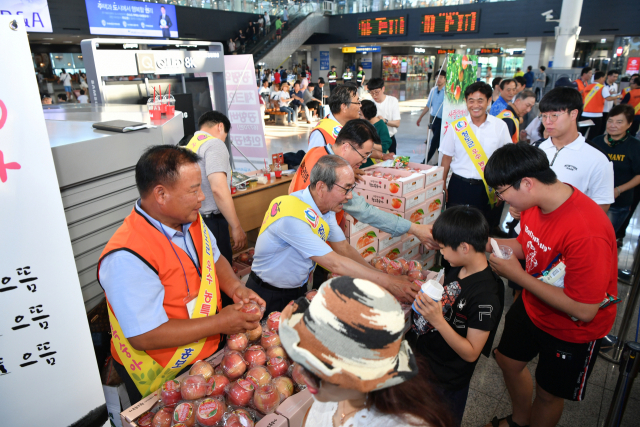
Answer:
[(563, 367)]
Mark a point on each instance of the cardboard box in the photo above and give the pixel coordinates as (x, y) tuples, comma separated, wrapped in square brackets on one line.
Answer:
[(392, 252), (369, 253), (352, 226), (293, 409), (429, 218), (434, 189), (414, 214), (364, 238), (404, 181), (426, 252), (243, 269), (409, 241), (429, 262), (412, 253), (435, 203), (432, 173), (387, 241), (397, 203)]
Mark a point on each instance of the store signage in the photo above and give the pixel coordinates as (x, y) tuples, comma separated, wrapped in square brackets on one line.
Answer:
[(420, 50), (443, 51), (450, 23), (35, 14), (44, 333), (489, 51), (174, 61), (360, 49), (395, 26), (366, 64), (131, 18), (633, 66), (324, 60), (619, 51)]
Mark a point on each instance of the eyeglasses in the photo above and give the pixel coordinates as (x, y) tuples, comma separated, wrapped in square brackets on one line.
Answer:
[(551, 117), (346, 190), (375, 92), (500, 193), (363, 157)]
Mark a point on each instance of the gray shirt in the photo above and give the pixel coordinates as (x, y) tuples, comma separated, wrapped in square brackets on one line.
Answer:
[(215, 158)]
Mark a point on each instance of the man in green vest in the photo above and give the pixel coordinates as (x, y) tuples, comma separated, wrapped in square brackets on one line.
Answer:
[(332, 76), (360, 79)]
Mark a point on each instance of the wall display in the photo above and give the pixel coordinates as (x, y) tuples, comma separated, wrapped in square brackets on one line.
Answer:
[(633, 65), (34, 13), (247, 125), (132, 18), (445, 51), (366, 63), (395, 26), (489, 51), (324, 60), (44, 332), (361, 49), (450, 23), (415, 66)]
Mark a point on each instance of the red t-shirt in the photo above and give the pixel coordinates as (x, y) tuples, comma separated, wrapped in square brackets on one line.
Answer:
[(580, 231), (276, 78)]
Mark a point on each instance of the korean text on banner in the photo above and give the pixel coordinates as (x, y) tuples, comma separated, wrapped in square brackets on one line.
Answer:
[(34, 14), (461, 72), (247, 125), (44, 332)]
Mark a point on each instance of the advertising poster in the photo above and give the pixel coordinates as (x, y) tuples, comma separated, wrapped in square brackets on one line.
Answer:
[(633, 65), (247, 125), (132, 18), (461, 72), (324, 60), (45, 343), (34, 14)]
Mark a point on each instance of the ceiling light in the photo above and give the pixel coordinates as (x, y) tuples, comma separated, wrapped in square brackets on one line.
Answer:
[(603, 40), (46, 43), (519, 40), (47, 38), (463, 45), (67, 41)]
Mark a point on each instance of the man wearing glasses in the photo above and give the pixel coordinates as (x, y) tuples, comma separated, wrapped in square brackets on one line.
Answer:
[(344, 104), (512, 115), (508, 89), (300, 231)]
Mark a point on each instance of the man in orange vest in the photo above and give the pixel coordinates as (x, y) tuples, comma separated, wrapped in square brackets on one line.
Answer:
[(594, 104), (585, 79), (344, 104), (632, 98), (518, 108), (163, 275)]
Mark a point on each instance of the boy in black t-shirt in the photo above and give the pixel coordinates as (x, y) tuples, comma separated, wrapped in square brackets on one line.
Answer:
[(475, 295)]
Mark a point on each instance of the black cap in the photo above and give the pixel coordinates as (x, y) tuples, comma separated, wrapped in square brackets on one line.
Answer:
[(333, 66), (320, 80)]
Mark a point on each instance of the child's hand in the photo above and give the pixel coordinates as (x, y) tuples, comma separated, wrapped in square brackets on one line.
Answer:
[(429, 309)]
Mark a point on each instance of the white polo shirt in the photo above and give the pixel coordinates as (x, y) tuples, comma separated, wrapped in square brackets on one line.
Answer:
[(389, 109), (607, 91), (492, 134), (584, 167)]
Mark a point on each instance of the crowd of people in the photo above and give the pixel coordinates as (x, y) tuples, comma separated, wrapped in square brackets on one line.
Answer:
[(257, 30), (66, 80)]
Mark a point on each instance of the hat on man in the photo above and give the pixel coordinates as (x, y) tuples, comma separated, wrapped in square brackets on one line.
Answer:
[(350, 335)]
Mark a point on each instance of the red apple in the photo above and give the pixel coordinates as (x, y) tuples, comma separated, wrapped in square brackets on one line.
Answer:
[(269, 338), (239, 420), (251, 307), (193, 387), (185, 413), (297, 374), (255, 334), (415, 265), (217, 384), (284, 386), (276, 351), (277, 366), (312, 293), (233, 365), (259, 376), (145, 419), (415, 275), (202, 367), (180, 425), (170, 392), (210, 411), (241, 392), (162, 418), (251, 252), (237, 342), (273, 321), (266, 398), (255, 356)]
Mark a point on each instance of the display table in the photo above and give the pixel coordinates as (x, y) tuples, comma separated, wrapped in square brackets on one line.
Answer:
[(252, 204)]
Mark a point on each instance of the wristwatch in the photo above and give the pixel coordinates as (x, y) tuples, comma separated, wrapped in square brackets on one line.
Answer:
[(386, 121)]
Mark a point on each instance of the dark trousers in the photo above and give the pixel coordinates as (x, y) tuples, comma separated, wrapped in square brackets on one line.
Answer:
[(593, 130), (633, 130), (315, 105), (465, 192), (276, 298), (332, 87), (456, 400), (435, 142), (621, 232), (394, 145), (219, 227)]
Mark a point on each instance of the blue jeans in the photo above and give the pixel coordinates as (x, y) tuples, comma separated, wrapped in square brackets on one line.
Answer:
[(289, 112), (617, 215)]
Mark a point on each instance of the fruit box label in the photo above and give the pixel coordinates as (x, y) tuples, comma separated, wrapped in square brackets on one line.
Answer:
[(415, 201), (434, 190), (431, 217), (358, 226), (376, 185), (384, 244), (410, 243), (376, 198)]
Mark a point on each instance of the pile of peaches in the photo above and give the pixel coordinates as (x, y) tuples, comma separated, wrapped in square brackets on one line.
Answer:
[(400, 267), (254, 377)]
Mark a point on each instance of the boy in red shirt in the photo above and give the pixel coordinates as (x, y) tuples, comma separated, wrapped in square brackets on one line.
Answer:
[(571, 266)]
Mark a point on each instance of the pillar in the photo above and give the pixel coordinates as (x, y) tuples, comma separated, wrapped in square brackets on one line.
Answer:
[(533, 54), (567, 33), (316, 60)]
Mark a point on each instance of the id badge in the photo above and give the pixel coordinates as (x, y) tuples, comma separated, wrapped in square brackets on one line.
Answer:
[(190, 302), (555, 276)]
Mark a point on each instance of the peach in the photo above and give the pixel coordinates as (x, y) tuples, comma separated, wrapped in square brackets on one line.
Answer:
[(405, 265), (162, 418), (394, 268), (277, 366), (415, 265), (284, 386), (396, 203), (269, 338), (276, 351), (233, 365), (255, 334), (255, 355), (266, 398), (145, 419), (170, 392), (193, 387), (217, 384), (237, 342), (241, 392), (210, 411), (273, 321), (297, 374), (258, 376), (202, 367), (244, 257), (415, 275), (185, 413)]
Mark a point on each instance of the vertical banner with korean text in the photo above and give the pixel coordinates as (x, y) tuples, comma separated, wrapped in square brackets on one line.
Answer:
[(45, 342), (461, 72), (247, 125)]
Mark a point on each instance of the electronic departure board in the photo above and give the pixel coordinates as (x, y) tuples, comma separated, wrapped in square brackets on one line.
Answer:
[(441, 51), (450, 23), (396, 26)]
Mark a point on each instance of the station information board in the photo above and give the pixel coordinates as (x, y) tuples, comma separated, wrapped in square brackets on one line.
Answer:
[(443, 51), (450, 23), (395, 26)]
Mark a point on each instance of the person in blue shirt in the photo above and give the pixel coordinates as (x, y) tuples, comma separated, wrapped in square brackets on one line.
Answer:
[(507, 92), (434, 106), (529, 77)]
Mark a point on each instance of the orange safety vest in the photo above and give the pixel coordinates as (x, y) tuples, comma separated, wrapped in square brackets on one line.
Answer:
[(507, 114), (329, 129), (302, 177), (634, 100), (139, 237), (593, 99), (580, 84)]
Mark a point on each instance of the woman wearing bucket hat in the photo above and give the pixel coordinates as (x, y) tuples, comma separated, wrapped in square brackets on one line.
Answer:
[(361, 372)]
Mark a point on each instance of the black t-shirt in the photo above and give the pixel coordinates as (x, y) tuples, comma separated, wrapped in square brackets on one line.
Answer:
[(479, 306), (626, 164), (317, 92)]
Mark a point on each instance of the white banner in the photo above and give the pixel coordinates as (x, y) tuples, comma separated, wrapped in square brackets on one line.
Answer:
[(45, 342), (34, 14)]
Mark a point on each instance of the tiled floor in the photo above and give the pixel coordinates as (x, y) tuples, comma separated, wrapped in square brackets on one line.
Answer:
[(488, 396)]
